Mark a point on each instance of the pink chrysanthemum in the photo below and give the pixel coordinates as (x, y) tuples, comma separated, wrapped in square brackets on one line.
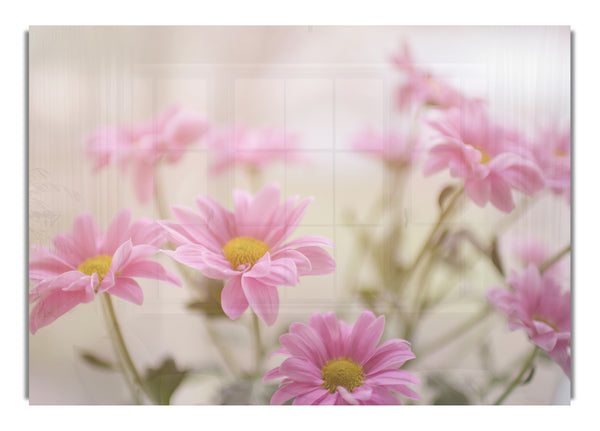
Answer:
[(553, 154), (529, 249), (246, 248), (252, 149), (539, 307), (333, 363), (86, 263), (421, 87), (389, 147), (140, 147), (492, 160)]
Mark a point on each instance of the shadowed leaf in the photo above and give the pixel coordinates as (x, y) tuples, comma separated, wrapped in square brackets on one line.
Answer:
[(95, 361), (163, 381)]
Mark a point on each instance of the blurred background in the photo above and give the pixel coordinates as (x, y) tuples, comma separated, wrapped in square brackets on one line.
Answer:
[(324, 84)]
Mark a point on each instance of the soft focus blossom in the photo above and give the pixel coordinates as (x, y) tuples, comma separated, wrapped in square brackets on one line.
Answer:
[(333, 363), (391, 147), (553, 153), (530, 249), (421, 87), (253, 149), (140, 147), (86, 263), (491, 159), (246, 247), (539, 306)]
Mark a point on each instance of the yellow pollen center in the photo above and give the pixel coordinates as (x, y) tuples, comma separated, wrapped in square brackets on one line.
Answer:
[(243, 250), (342, 372), (560, 153), (98, 264), (485, 157)]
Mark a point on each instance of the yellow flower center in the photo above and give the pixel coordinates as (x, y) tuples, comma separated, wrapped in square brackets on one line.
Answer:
[(98, 264), (485, 157), (342, 372), (243, 250)]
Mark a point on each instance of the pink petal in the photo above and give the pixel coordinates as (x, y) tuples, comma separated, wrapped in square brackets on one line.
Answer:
[(282, 272), (290, 391), (365, 335), (390, 355), (121, 256), (546, 341), (127, 289), (263, 299), (320, 260), (500, 194), (117, 233), (393, 377), (233, 299), (144, 181), (150, 269), (196, 228), (54, 305), (478, 191), (311, 398), (328, 329), (308, 241), (85, 233), (301, 370)]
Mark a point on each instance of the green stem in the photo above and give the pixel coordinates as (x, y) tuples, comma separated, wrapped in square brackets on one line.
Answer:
[(555, 258), (456, 332), (258, 344), (121, 347), (427, 244), (526, 366)]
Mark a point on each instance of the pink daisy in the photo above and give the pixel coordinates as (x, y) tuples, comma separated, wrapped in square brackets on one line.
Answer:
[(333, 363), (246, 248), (553, 154), (86, 263), (141, 146), (421, 87), (491, 159), (389, 147), (539, 307), (252, 149), (529, 249)]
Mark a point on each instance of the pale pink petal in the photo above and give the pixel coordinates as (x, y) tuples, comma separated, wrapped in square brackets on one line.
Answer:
[(478, 191), (195, 228), (118, 232), (127, 289), (365, 336), (150, 269), (347, 396), (301, 370), (320, 260), (282, 272), (85, 233), (233, 299), (144, 181), (311, 398), (54, 305), (263, 299), (290, 391), (500, 195)]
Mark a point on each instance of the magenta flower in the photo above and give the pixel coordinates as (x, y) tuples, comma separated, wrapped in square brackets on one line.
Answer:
[(553, 154), (86, 263), (390, 147), (539, 307), (246, 248), (333, 363), (491, 159), (421, 88), (253, 149), (140, 147)]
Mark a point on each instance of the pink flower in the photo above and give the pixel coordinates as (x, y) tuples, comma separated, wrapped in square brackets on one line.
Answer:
[(389, 147), (539, 307), (421, 87), (491, 159), (246, 248), (553, 154), (529, 249), (252, 149), (140, 147), (333, 363), (86, 263)]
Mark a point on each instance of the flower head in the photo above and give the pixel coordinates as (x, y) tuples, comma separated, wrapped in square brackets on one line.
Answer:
[(247, 248), (87, 262), (491, 159), (252, 149), (333, 363), (141, 146), (390, 147), (421, 87), (539, 307), (553, 154)]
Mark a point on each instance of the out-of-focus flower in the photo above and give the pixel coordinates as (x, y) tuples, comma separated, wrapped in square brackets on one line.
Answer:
[(333, 363), (529, 249), (491, 159), (141, 146), (246, 247), (86, 263), (390, 147), (421, 87), (539, 306), (253, 149), (553, 153)]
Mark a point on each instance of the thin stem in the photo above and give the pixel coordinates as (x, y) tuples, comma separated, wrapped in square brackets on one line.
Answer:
[(526, 366), (456, 332), (427, 244), (555, 258), (120, 346), (258, 344)]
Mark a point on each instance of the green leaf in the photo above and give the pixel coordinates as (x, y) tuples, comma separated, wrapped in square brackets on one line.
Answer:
[(210, 305), (95, 361), (162, 382), (444, 195)]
